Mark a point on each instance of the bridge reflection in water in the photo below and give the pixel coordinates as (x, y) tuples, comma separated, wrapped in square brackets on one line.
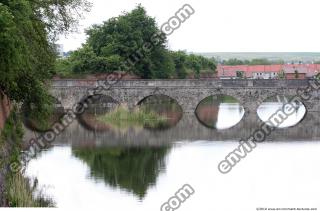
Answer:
[(187, 129)]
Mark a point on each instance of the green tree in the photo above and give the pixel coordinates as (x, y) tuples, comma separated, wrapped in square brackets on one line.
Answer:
[(179, 59), (260, 62), (126, 36), (163, 64), (194, 62), (233, 61), (27, 32)]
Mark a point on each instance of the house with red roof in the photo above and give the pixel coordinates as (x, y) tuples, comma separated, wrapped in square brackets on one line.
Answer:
[(288, 71)]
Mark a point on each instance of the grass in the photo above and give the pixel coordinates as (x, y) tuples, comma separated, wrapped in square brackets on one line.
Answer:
[(20, 193), (122, 117)]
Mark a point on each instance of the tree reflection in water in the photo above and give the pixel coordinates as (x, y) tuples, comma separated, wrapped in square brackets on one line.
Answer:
[(133, 169)]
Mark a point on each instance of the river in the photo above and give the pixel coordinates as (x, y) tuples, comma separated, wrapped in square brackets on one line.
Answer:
[(91, 166)]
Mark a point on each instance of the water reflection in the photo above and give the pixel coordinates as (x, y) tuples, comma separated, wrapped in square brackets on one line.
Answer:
[(132, 169), (56, 111), (267, 109), (219, 112), (35, 125), (67, 180)]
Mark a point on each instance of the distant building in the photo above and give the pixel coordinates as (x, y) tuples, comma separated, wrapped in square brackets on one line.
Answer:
[(248, 71), (289, 71), (59, 50), (296, 72)]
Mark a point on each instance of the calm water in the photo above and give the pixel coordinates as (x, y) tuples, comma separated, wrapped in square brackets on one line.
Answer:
[(90, 166)]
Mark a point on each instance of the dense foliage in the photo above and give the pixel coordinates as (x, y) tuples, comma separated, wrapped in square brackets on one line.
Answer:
[(27, 54), (132, 38)]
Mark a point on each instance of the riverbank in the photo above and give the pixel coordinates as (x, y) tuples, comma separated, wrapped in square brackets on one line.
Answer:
[(16, 190)]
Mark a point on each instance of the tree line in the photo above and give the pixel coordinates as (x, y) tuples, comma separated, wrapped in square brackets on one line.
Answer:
[(259, 61), (110, 44)]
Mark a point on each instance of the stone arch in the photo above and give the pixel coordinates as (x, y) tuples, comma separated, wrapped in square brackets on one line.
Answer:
[(283, 98), (210, 114), (216, 94), (290, 94), (273, 93), (141, 99), (68, 97), (97, 104), (171, 109), (177, 99)]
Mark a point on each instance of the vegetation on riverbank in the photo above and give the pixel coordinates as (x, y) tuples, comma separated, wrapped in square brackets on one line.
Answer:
[(16, 189), (122, 117), (28, 31), (20, 193)]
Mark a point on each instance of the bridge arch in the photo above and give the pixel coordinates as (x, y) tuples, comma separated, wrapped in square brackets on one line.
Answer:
[(272, 103), (143, 98), (165, 106), (97, 105), (179, 100), (210, 111), (272, 106)]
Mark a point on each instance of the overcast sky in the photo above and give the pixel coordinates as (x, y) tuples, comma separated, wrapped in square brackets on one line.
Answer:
[(223, 25)]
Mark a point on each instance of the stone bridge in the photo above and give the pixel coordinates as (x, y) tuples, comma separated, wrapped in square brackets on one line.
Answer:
[(187, 93)]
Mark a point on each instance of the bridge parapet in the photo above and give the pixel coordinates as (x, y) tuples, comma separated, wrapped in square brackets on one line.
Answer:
[(268, 83)]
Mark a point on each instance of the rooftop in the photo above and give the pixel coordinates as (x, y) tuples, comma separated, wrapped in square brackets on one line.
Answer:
[(230, 71)]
